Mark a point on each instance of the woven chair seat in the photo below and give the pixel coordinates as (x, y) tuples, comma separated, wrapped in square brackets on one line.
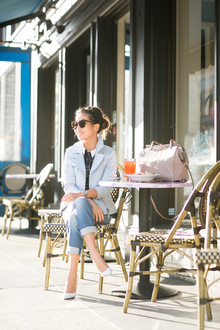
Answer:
[(55, 228), (159, 237), (61, 227), (100, 227), (208, 257), (19, 202)]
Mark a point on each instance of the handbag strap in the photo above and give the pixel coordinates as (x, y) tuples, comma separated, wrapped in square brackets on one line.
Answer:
[(154, 205), (190, 175)]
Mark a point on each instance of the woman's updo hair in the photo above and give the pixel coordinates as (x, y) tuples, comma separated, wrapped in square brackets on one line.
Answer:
[(97, 116)]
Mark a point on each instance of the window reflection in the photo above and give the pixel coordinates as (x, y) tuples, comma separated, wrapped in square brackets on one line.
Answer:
[(122, 116), (195, 84), (127, 109), (10, 112)]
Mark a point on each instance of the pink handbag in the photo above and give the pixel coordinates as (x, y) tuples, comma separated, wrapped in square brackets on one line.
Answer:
[(170, 161)]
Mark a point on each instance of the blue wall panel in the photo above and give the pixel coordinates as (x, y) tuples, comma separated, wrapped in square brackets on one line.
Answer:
[(25, 111), (10, 54)]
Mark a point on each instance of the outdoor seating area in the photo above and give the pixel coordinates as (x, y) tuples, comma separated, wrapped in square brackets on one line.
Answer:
[(110, 164), (28, 305), (200, 246)]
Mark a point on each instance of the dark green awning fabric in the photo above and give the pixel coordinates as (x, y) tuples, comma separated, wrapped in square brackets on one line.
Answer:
[(15, 11)]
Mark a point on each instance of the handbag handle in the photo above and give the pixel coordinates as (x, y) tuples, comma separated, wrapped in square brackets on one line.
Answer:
[(153, 143), (171, 143)]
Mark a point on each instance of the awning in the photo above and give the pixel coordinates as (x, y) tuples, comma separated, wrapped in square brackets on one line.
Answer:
[(15, 11)]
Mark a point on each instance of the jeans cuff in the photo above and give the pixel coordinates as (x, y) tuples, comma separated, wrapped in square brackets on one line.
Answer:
[(73, 250), (87, 230)]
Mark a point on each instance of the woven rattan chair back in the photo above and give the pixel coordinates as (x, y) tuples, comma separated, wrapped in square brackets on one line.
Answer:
[(115, 190), (202, 209), (208, 260), (115, 193), (13, 187), (36, 190)]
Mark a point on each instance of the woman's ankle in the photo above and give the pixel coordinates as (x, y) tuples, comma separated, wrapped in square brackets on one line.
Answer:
[(100, 264), (71, 283)]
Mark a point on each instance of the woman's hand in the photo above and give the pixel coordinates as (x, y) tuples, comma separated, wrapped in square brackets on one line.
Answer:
[(97, 212), (70, 197)]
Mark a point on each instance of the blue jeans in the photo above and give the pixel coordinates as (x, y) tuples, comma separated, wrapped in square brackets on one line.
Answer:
[(79, 220)]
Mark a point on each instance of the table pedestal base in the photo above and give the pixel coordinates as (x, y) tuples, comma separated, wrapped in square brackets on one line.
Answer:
[(144, 291), (107, 259), (27, 231)]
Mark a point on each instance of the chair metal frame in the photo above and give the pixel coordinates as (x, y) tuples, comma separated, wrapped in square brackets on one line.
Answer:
[(54, 226), (209, 259), (106, 234), (43, 214), (34, 200), (165, 243)]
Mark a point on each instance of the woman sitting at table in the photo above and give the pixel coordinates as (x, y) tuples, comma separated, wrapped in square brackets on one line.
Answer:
[(85, 203)]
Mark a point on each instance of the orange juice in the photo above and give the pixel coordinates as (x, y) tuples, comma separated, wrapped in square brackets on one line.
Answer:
[(129, 166)]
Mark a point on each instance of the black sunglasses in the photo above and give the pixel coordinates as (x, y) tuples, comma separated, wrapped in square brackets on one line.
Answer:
[(81, 123)]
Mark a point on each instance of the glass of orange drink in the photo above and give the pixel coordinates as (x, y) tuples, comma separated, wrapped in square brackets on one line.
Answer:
[(129, 166)]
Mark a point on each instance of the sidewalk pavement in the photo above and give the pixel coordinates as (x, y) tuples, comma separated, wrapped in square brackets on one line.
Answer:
[(26, 305)]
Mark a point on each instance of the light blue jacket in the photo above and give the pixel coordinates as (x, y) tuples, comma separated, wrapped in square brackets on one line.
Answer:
[(103, 168)]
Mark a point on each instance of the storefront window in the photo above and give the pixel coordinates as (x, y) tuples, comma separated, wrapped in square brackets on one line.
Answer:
[(88, 92), (56, 128), (10, 112), (124, 118), (127, 109), (195, 84)]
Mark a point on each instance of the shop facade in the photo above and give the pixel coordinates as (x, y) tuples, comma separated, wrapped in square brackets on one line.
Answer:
[(152, 66)]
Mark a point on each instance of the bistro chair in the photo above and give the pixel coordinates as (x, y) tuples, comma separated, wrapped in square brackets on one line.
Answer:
[(44, 214), (56, 232), (20, 208), (164, 243), (107, 235), (208, 260), (56, 235), (12, 188)]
